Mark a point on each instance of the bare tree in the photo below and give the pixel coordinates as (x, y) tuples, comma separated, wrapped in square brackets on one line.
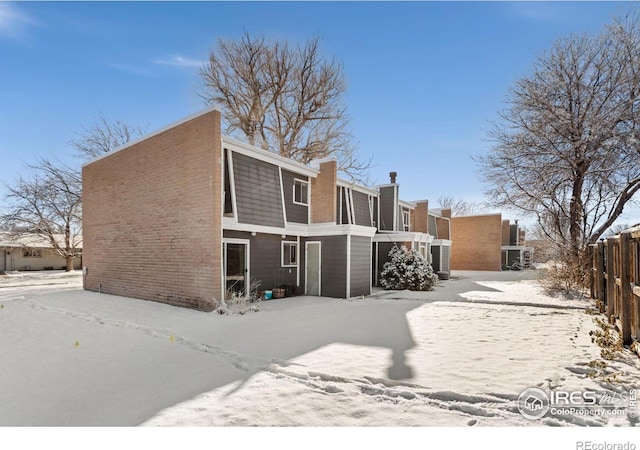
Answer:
[(49, 201), (566, 151), (104, 136), (458, 206), (49, 204), (285, 99)]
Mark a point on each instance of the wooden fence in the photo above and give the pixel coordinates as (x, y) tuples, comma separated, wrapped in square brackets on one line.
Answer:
[(616, 281)]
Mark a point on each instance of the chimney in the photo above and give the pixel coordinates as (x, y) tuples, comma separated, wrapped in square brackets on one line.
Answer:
[(393, 176), (323, 193)]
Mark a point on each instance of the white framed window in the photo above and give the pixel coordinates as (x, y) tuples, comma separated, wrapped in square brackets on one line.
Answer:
[(289, 254), (406, 219), (31, 253), (300, 192)]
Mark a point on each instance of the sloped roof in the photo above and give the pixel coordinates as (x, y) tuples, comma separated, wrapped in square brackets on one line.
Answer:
[(32, 240)]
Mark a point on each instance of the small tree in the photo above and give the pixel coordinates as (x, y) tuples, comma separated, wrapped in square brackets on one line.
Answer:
[(407, 269), (48, 203)]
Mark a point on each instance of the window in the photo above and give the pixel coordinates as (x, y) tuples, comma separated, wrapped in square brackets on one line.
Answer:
[(406, 219), (31, 253), (289, 254), (300, 192)]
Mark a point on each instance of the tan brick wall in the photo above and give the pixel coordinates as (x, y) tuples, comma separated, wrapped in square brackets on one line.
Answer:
[(506, 233), (477, 242), (421, 217), (323, 193), (443, 228), (152, 217)]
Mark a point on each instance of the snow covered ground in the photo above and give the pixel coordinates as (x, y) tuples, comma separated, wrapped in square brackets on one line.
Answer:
[(456, 356)]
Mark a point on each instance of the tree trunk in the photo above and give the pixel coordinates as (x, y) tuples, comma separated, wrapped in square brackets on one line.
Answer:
[(69, 259)]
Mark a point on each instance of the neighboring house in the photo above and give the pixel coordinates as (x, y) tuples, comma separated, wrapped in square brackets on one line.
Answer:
[(486, 242), (409, 224), (31, 251), (514, 251), (477, 242), (440, 228)]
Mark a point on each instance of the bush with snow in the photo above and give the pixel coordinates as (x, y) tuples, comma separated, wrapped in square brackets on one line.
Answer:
[(407, 269)]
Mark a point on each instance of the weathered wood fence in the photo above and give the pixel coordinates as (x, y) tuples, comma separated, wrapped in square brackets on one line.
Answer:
[(616, 281)]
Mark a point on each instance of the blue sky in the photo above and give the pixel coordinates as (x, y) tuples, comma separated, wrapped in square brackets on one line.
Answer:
[(425, 79)]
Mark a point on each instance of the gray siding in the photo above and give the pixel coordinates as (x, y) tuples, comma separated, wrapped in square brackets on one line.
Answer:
[(435, 257), (258, 195), (361, 209), (446, 259), (433, 228), (265, 259), (383, 256), (295, 213), (513, 235), (3, 259), (333, 251), (387, 206), (360, 265), (338, 205)]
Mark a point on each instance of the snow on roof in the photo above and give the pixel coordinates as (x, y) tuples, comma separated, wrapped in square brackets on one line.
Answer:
[(32, 240)]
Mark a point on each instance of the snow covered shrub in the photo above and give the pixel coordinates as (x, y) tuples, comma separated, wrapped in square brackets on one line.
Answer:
[(407, 269), (236, 302)]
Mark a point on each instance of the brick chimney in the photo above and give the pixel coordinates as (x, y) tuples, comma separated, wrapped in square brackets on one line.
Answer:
[(323, 193)]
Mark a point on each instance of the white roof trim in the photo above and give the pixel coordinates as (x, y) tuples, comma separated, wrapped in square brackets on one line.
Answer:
[(406, 204), (267, 156), (357, 187), (403, 236), (305, 230), (154, 133)]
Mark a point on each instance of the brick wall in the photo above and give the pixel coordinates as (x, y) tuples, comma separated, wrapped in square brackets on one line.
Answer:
[(477, 242), (443, 228), (506, 232), (421, 217), (152, 217), (323, 193)]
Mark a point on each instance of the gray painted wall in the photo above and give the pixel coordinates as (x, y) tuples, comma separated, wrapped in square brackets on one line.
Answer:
[(3, 259), (266, 259), (360, 265), (446, 259), (387, 206), (433, 227), (435, 257), (361, 208), (295, 213), (513, 234), (383, 255), (334, 265), (257, 206)]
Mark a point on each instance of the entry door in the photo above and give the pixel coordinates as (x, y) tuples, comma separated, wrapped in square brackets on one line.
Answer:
[(236, 273), (313, 268)]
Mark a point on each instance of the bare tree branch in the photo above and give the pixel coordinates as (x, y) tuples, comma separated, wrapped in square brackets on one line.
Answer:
[(566, 149), (284, 99)]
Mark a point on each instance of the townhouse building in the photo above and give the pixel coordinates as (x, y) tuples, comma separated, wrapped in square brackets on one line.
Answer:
[(185, 215)]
